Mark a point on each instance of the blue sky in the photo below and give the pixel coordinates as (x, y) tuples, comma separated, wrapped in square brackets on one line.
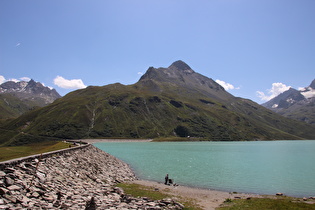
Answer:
[(261, 45)]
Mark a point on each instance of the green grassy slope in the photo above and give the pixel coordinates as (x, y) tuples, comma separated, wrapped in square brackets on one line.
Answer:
[(165, 102), (127, 111), (11, 106), (7, 153)]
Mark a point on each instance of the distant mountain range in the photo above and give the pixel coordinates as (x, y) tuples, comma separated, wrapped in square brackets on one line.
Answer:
[(295, 104), (17, 98), (165, 102)]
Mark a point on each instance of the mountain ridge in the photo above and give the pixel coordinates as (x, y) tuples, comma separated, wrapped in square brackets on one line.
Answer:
[(295, 104), (180, 74), (17, 98), (173, 101)]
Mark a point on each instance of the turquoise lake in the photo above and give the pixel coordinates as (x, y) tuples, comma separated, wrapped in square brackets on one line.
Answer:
[(262, 167)]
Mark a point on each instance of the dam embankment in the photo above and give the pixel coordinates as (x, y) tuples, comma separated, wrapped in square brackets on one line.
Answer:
[(81, 177)]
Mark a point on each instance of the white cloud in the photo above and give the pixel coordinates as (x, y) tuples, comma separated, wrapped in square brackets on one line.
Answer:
[(26, 79), (140, 73), (69, 84), (18, 44), (276, 89), (309, 94), (2, 79), (13, 80), (226, 86)]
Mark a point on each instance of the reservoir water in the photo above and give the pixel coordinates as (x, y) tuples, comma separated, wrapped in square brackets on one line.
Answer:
[(262, 167)]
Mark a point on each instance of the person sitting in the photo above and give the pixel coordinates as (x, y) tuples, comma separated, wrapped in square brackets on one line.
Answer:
[(170, 181)]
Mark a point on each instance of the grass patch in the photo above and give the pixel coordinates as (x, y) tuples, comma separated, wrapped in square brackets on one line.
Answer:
[(137, 190), (285, 203), (7, 153)]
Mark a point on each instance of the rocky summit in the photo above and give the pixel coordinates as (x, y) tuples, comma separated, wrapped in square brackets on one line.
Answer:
[(295, 104), (30, 90), (79, 178), (175, 101), (17, 98)]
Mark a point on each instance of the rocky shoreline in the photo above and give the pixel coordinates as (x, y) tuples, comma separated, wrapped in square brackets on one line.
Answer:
[(77, 178)]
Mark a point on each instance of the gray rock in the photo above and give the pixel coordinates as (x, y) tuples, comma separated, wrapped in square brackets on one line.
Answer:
[(14, 187), (48, 198), (151, 204), (9, 181), (41, 176), (2, 174), (77, 197), (50, 206), (3, 191), (4, 207), (181, 206), (10, 198), (35, 194), (25, 199), (9, 170)]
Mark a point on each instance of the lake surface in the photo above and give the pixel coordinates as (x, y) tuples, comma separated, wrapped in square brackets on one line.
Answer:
[(263, 167)]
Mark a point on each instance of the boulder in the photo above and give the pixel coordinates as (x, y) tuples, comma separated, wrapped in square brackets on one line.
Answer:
[(2, 174), (9, 181), (14, 188)]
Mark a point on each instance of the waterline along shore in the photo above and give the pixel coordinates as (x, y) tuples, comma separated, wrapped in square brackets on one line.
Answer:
[(86, 176), (207, 199), (92, 141)]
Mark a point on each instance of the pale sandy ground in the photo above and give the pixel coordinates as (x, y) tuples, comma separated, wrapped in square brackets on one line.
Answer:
[(207, 199)]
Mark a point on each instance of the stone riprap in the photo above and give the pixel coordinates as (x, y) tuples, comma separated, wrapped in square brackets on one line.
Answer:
[(81, 178)]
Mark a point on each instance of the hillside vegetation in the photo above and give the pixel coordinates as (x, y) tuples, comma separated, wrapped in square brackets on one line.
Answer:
[(7, 153), (166, 102), (11, 106)]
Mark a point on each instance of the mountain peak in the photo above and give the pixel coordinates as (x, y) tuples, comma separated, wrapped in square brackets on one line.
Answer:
[(30, 90), (180, 76), (181, 65), (312, 85)]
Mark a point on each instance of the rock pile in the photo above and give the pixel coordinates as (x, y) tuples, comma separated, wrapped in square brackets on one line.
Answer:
[(77, 179)]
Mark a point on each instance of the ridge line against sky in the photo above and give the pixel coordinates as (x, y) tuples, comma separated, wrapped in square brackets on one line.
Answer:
[(254, 49)]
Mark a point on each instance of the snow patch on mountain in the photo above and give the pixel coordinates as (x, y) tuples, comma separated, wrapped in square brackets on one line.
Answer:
[(29, 90), (308, 92)]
